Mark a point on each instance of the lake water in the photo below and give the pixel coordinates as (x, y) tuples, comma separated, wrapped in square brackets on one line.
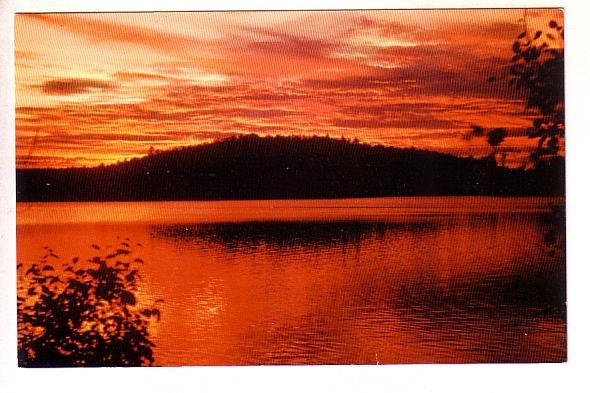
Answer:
[(358, 281)]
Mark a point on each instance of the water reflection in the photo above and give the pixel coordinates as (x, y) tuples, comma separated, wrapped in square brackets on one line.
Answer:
[(442, 284), (463, 288), (239, 237)]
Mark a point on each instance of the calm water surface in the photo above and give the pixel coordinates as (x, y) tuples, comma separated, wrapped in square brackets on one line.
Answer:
[(365, 281)]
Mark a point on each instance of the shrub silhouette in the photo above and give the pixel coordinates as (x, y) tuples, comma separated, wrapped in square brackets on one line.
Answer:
[(537, 69), (84, 314)]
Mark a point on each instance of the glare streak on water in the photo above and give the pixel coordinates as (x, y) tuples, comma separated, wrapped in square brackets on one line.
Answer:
[(387, 280)]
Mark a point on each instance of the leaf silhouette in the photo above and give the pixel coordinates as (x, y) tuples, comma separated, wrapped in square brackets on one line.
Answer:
[(128, 298), (496, 136), (156, 312), (91, 319), (516, 47)]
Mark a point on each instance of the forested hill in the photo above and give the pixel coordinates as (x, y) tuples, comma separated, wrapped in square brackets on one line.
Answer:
[(252, 167)]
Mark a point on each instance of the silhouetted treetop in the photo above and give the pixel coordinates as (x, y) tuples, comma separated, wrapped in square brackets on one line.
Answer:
[(252, 167), (537, 70)]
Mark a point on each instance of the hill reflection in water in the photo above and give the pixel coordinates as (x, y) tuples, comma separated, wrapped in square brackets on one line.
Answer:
[(444, 281)]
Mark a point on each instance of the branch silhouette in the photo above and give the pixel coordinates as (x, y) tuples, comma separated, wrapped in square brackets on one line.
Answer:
[(83, 313), (537, 70)]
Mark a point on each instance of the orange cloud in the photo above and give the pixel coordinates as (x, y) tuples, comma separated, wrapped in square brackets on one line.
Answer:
[(403, 78), (103, 30)]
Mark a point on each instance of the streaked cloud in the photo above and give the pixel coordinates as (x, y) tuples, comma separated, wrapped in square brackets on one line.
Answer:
[(98, 88), (104, 31)]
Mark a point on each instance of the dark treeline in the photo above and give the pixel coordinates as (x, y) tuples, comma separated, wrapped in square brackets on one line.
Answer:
[(252, 167)]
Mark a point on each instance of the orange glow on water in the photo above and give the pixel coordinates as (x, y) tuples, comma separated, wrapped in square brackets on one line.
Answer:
[(394, 280)]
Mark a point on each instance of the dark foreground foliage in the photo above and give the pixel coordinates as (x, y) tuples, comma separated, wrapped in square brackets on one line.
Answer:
[(537, 71), (252, 167), (83, 313)]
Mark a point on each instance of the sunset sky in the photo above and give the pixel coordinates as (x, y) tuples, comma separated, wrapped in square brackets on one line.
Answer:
[(99, 88)]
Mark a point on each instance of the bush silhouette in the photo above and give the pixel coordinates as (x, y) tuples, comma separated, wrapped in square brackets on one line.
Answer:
[(84, 313), (537, 69)]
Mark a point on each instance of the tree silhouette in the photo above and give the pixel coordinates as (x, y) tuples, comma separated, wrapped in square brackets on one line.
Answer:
[(83, 314), (252, 167), (537, 69)]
